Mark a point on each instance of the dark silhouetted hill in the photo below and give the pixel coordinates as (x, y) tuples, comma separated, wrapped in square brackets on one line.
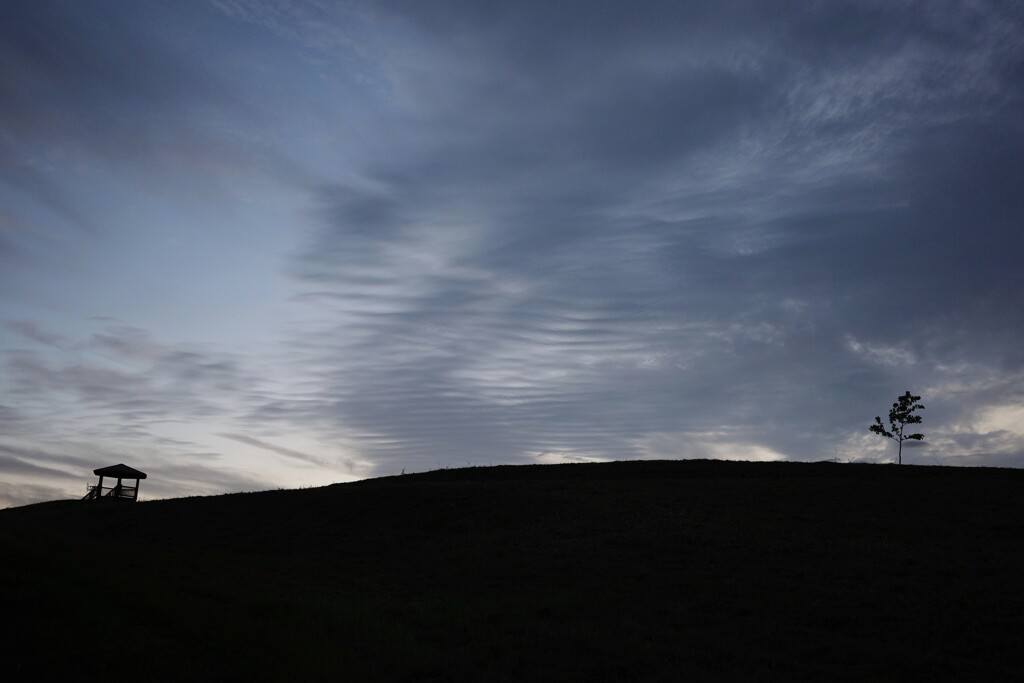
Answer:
[(658, 570)]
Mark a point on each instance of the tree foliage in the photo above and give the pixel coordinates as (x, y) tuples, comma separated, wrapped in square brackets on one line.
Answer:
[(901, 415)]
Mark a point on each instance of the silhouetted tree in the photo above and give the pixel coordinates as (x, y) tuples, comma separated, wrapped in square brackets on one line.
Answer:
[(901, 415)]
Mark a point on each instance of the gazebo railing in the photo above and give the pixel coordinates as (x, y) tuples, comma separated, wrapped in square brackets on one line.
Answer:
[(126, 492)]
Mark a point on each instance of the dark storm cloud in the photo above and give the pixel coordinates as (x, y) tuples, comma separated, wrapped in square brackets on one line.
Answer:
[(599, 224)]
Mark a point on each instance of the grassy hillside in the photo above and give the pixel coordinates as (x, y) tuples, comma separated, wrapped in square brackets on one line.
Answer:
[(618, 571)]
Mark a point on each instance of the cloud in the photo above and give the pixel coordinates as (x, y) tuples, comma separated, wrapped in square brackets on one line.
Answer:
[(123, 62), (122, 394), (646, 235), (136, 382), (9, 417), (280, 450), (590, 226), (32, 331), (133, 110), (17, 465), (24, 467), (1008, 418), (168, 479), (711, 446), (14, 495)]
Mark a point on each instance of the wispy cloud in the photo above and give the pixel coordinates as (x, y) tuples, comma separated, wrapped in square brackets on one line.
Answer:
[(33, 332), (287, 452), (121, 395)]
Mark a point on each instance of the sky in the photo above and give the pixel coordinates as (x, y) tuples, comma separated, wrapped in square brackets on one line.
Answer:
[(248, 244)]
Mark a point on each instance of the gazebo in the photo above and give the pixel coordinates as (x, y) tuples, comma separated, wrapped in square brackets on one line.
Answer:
[(118, 491)]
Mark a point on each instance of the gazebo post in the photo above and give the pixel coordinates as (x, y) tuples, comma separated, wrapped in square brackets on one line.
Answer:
[(99, 489)]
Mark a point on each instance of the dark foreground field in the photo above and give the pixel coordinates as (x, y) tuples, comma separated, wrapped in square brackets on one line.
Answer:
[(622, 571)]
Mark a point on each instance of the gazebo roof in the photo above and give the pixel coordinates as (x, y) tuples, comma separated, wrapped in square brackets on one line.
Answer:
[(120, 472)]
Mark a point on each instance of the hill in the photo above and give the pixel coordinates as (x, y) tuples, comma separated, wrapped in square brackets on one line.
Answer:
[(616, 571)]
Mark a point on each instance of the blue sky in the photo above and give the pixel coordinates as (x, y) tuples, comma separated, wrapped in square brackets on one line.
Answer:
[(249, 244)]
